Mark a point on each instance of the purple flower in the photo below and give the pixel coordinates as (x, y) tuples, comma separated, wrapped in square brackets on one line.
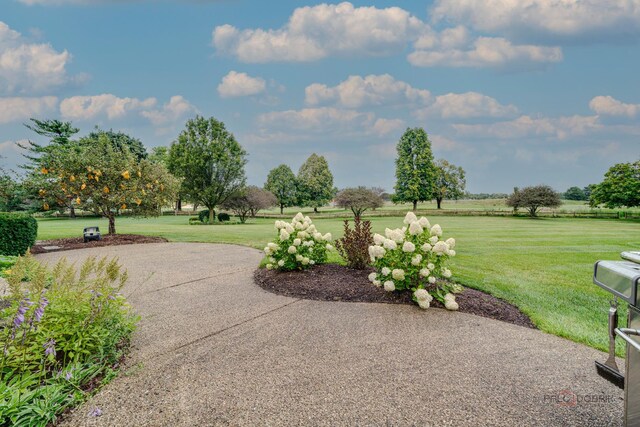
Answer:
[(50, 348), (22, 309), (68, 375), (95, 412), (40, 310)]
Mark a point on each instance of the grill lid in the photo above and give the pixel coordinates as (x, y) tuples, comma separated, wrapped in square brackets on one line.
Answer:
[(631, 256), (621, 278)]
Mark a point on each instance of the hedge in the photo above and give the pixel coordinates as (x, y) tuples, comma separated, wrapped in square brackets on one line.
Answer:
[(17, 233)]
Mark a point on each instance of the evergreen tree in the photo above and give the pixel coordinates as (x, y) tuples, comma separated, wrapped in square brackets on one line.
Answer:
[(415, 170), (315, 183)]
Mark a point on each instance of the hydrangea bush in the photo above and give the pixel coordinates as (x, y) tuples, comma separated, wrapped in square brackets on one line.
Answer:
[(299, 245), (414, 258)]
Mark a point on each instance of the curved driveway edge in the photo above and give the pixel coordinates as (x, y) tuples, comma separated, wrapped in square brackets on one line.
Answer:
[(215, 349)]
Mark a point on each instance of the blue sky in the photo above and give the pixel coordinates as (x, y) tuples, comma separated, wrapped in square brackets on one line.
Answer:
[(516, 92)]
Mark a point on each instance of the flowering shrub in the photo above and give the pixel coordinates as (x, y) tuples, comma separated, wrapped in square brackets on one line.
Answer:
[(413, 258), (62, 330), (299, 245)]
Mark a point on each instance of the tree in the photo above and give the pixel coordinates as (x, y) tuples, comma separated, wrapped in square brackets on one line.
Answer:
[(415, 170), (315, 183), (450, 181), (282, 183), (119, 140), (533, 198), (358, 199), (159, 155), (249, 201), (210, 161), (13, 194), (621, 187), (574, 193), (106, 179), (58, 132)]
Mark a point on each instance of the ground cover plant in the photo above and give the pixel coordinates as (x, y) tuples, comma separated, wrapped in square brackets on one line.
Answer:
[(543, 266), (63, 332)]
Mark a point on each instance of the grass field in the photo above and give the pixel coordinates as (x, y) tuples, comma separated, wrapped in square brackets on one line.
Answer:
[(543, 266)]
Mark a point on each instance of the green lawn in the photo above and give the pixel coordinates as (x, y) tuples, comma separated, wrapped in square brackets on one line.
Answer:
[(543, 266)]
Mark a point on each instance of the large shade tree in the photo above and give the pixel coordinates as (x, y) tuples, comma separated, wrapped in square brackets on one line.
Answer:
[(415, 170), (210, 161), (315, 183), (450, 182), (119, 140), (620, 187), (282, 183), (359, 199), (534, 198), (107, 179)]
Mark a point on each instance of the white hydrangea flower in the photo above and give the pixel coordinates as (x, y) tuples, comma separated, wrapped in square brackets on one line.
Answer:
[(436, 230), (298, 226), (297, 242), (409, 218), (440, 248), (267, 250), (273, 246), (311, 262), (311, 229), (279, 225), (292, 250), (398, 274), (451, 242), (432, 279), (425, 272), (307, 219), (386, 271), (390, 244), (451, 305), (378, 239), (449, 297), (389, 286), (377, 283), (451, 253), (415, 229), (284, 235), (457, 289), (327, 237), (329, 247), (299, 258), (305, 261), (426, 247), (422, 295), (446, 273), (430, 266), (317, 236), (433, 240), (408, 247), (373, 276), (403, 230), (299, 217), (379, 251), (303, 235), (424, 222), (424, 304), (416, 260), (388, 232), (269, 266), (272, 260), (281, 263)]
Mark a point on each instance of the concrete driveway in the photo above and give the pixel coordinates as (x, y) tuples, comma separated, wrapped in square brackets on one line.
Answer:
[(214, 349)]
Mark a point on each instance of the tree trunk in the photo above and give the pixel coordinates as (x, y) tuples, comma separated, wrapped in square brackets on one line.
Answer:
[(179, 204), (72, 212), (315, 209), (212, 216), (415, 205), (281, 209), (112, 223), (439, 202)]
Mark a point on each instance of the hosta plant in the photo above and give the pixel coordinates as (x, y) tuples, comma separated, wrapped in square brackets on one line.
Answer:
[(299, 245), (413, 258)]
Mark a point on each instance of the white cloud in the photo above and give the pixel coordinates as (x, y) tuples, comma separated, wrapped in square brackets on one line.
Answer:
[(372, 90), (172, 111), (609, 106), (526, 126), (386, 126), (317, 119), (113, 107), (21, 108), (29, 67), (466, 105), (571, 20), (237, 84), (489, 52), (10, 149), (315, 32)]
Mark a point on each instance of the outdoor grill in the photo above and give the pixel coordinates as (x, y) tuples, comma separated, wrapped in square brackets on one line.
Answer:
[(622, 279)]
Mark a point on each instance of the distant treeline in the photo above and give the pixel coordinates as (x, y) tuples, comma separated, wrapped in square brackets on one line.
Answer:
[(484, 196)]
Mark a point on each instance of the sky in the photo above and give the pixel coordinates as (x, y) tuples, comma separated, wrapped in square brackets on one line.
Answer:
[(517, 92)]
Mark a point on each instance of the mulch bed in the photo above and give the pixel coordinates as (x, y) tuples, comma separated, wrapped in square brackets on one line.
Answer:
[(107, 240), (332, 282)]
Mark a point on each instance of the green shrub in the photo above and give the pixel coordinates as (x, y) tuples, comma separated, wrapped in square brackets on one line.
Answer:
[(223, 216), (64, 331), (17, 233), (194, 220), (204, 216)]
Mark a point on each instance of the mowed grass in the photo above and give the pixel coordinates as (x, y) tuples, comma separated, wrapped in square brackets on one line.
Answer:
[(543, 266)]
